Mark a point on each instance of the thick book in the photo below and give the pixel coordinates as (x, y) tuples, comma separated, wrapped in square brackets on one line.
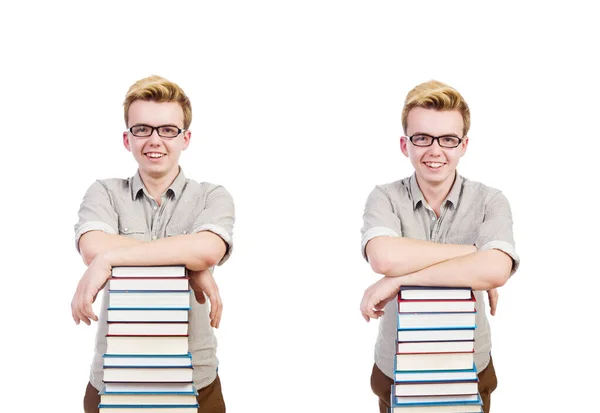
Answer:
[(148, 299), (462, 400), (437, 334), (409, 292), (185, 398), (148, 374), (147, 329), (145, 345), (413, 321), (435, 376), (435, 346), (436, 306), (166, 408), (155, 271), (434, 361), (447, 388), (446, 408), (133, 315), (148, 284), (149, 388), (136, 360)]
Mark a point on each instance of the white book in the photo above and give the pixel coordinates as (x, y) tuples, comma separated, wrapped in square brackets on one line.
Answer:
[(448, 408), (144, 345), (471, 399), (143, 299), (164, 271), (434, 293), (427, 376), (149, 284), (130, 315), (149, 387), (434, 361), (436, 320), (436, 306), (436, 347), (147, 329), (147, 409), (147, 399), (148, 374), (112, 360), (436, 335), (436, 389)]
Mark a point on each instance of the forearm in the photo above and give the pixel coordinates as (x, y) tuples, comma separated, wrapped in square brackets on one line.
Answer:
[(97, 242), (482, 270), (398, 256), (196, 251)]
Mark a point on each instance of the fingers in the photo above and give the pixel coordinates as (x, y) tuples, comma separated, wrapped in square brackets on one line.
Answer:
[(368, 308), (216, 307), (81, 305), (493, 300), (200, 296)]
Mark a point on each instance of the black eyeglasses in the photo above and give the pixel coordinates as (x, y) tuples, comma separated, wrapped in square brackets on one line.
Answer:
[(164, 131), (445, 141)]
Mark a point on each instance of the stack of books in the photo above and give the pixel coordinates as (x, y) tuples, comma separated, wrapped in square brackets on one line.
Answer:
[(434, 366), (147, 366)]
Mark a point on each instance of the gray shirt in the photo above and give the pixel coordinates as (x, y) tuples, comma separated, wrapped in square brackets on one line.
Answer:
[(472, 214), (124, 207)]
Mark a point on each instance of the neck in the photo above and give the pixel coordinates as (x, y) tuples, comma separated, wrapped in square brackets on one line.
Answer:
[(436, 192), (158, 185)]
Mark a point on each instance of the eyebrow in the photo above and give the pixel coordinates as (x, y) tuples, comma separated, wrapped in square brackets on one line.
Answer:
[(428, 134)]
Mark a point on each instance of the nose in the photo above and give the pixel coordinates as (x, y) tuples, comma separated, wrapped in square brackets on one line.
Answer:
[(154, 139), (435, 148)]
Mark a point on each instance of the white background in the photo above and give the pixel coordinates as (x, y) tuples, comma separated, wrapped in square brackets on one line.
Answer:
[(297, 113)]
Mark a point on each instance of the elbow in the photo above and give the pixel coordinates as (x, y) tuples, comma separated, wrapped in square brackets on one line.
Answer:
[(208, 256), (88, 255), (382, 263)]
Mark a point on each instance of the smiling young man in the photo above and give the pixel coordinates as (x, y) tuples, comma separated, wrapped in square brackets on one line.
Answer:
[(156, 217), (435, 228)]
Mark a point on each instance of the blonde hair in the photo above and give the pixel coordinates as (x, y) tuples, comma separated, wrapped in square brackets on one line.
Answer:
[(158, 89), (439, 96)]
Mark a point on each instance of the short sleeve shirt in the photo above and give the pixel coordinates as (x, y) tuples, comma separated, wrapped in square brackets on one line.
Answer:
[(472, 214), (124, 207)]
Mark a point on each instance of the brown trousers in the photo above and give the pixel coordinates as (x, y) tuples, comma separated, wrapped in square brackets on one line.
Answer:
[(210, 399), (382, 387)]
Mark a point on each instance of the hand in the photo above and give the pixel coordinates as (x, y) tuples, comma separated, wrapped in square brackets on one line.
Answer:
[(493, 300), (377, 296), (202, 282), (92, 281)]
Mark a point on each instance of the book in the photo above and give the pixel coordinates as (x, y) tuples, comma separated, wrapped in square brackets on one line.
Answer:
[(148, 284), (436, 320), (148, 299), (436, 306), (409, 292), (145, 345), (112, 360), (148, 315), (462, 399), (167, 408), (147, 374), (432, 375), (437, 334), (435, 346), (436, 388), (149, 388), (159, 271), (184, 398), (147, 329), (434, 361), (446, 408)]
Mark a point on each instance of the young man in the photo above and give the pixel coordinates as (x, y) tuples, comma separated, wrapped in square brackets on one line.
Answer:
[(156, 217), (435, 228)]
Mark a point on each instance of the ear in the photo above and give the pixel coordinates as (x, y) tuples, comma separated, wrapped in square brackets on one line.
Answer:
[(403, 145), (187, 135), (463, 145), (126, 142)]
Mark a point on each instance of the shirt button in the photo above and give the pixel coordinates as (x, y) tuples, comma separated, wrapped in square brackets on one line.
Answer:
[(155, 207), (125, 229), (154, 237), (433, 218), (184, 232)]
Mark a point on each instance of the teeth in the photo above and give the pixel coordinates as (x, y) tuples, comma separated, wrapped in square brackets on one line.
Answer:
[(154, 155), (433, 164)]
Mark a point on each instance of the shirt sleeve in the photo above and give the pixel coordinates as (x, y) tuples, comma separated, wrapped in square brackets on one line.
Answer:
[(496, 231), (218, 217), (379, 219), (96, 213)]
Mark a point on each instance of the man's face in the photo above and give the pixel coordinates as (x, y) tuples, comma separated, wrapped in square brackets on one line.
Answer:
[(433, 164), (156, 156)]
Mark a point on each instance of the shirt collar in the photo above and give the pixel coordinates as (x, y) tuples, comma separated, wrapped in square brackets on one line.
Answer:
[(417, 195), (175, 189)]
